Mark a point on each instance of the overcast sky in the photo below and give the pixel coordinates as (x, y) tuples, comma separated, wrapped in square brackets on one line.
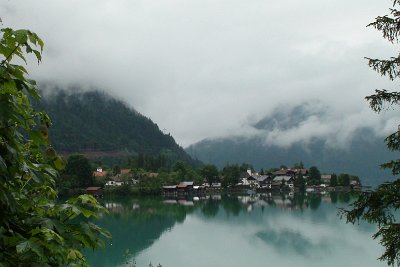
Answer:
[(212, 68)]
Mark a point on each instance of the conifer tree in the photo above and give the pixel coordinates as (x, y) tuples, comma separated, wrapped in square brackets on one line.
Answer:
[(379, 206)]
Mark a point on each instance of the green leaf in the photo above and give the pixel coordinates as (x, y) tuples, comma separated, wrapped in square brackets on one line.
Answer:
[(3, 166), (88, 213), (27, 182), (28, 245), (59, 163), (23, 247), (38, 55), (21, 36), (51, 153), (72, 255)]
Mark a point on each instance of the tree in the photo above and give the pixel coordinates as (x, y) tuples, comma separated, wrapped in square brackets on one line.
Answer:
[(333, 182), (231, 175), (35, 228), (299, 165), (181, 167), (246, 166), (379, 206), (116, 170), (344, 179), (355, 179), (78, 169), (210, 173), (300, 182), (314, 176)]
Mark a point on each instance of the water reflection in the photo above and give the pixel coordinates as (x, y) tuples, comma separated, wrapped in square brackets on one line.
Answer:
[(291, 241), (260, 228)]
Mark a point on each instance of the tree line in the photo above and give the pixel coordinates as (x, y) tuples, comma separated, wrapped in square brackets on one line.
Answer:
[(78, 174)]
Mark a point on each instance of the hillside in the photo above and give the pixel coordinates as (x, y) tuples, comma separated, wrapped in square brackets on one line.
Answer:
[(361, 157), (94, 123)]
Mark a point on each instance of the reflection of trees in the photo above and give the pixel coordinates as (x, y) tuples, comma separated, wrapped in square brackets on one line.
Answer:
[(314, 201), (298, 200), (210, 208), (288, 241), (334, 197), (231, 204), (285, 241), (344, 197), (135, 224)]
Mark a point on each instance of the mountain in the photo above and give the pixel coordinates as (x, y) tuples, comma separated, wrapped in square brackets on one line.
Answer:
[(93, 122), (362, 156)]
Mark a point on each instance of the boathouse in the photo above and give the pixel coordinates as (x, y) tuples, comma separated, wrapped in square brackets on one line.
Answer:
[(185, 188), (95, 191)]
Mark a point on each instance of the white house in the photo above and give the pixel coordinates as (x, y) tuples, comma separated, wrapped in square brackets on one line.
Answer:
[(115, 182)]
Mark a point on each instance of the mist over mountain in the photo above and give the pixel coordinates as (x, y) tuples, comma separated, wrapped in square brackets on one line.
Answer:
[(285, 118), (361, 154), (93, 121)]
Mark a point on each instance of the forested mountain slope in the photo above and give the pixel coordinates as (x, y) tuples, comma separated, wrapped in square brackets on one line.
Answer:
[(92, 121), (362, 156)]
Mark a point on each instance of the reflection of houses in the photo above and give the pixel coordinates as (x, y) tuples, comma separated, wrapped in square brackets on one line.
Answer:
[(326, 198), (216, 185), (269, 199), (185, 202), (199, 190), (215, 197), (114, 207), (169, 190), (282, 202), (182, 202)]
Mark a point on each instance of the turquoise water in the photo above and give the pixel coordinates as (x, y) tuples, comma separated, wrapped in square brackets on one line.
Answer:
[(230, 230)]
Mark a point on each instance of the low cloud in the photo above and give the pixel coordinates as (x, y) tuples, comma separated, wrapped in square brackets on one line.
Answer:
[(207, 69)]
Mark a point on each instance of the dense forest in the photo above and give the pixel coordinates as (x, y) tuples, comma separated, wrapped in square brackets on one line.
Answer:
[(94, 122)]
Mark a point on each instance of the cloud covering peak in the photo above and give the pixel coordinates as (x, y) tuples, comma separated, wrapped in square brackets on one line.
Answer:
[(215, 68)]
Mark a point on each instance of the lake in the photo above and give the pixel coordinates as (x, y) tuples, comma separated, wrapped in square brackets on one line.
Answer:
[(235, 230)]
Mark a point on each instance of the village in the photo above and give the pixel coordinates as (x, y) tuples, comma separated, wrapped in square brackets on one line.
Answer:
[(282, 180)]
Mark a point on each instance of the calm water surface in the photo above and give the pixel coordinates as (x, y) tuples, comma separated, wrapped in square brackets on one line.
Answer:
[(230, 230)]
